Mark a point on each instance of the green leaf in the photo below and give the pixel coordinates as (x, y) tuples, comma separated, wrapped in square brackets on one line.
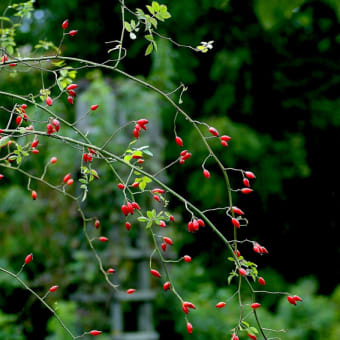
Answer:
[(5, 19), (149, 37), (127, 26), (245, 323), (166, 15), (149, 225), (4, 141), (151, 10), (231, 259), (230, 277), (149, 49), (127, 158), (149, 214), (155, 6), (159, 16), (253, 329), (142, 219), (163, 8), (153, 22)]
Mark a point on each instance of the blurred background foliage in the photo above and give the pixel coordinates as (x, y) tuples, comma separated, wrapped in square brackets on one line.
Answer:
[(271, 83)]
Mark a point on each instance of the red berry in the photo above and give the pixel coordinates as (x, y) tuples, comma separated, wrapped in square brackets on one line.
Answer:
[(73, 33), (12, 65), (18, 120), (187, 258), (206, 173), (162, 224), (140, 161), (64, 25), (130, 291), (125, 210), (250, 174), (168, 240), (136, 133), (53, 289), (213, 131), (237, 253), (252, 336), (120, 186), (246, 190), (220, 305), (297, 298), (234, 337), (242, 272), (1, 176), (135, 185), (70, 182), (128, 226), (171, 218), (156, 197), (67, 177), (142, 122), (186, 156), (49, 101), (35, 151), (157, 191), (135, 205), (291, 300), (255, 305), (235, 222), (34, 195), (56, 124), (163, 246), (246, 182), (70, 99), (189, 327), (261, 281), (53, 160), (72, 93), (50, 128), (179, 141), (23, 106), (224, 143), (167, 285), (225, 138), (35, 143), (103, 239), (4, 58), (94, 107), (71, 87), (189, 305), (95, 332), (155, 273), (28, 258), (110, 270), (129, 207), (237, 210), (200, 222), (96, 224)]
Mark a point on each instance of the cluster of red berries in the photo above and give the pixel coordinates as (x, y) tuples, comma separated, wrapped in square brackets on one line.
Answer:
[(129, 208), (140, 125), (88, 157), (22, 114), (195, 224), (64, 25), (259, 249), (54, 127), (68, 180)]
